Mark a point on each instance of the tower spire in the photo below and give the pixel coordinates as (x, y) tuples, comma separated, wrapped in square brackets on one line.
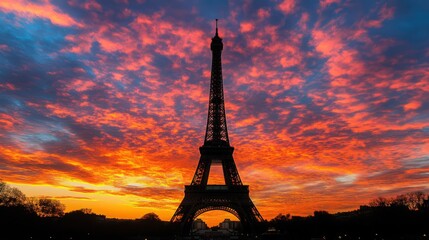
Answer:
[(216, 27)]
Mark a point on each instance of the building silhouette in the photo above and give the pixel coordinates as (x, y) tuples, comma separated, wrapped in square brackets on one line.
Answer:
[(199, 224), (230, 225)]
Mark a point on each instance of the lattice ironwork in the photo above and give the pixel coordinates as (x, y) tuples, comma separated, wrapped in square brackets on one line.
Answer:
[(211, 208), (199, 173), (231, 173), (216, 155), (232, 197)]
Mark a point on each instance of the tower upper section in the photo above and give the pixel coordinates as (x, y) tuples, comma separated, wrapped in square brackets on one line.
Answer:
[(216, 130)]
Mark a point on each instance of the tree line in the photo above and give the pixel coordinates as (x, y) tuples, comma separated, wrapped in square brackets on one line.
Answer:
[(11, 197), (405, 216), (24, 217)]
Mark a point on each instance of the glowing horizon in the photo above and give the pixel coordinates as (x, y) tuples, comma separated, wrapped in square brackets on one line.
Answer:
[(104, 105)]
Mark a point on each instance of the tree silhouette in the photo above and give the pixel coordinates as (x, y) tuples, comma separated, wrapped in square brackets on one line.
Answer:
[(281, 217), (413, 201), (379, 202), (151, 217), (49, 208), (10, 196)]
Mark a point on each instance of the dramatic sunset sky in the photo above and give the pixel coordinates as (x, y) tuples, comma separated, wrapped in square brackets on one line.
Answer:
[(103, 104)]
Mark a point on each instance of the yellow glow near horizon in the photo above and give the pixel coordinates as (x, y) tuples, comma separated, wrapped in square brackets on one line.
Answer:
[(213, 218), (113, 206)]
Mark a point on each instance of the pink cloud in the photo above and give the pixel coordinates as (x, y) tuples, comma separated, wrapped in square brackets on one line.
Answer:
[(303, 21), (7, 86), (325, 3), (8, 122), (384, 14), (87, 5), (287, 6), (327, 44), (4, 47), (288, 61), (263, 13), (80, 85), (246, 27), (44, 10), (92, 4)]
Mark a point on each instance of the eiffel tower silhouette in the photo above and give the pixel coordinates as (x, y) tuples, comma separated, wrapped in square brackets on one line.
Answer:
[(233, 196)]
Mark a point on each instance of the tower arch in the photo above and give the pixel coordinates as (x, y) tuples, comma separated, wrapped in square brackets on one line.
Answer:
[(212, 208)]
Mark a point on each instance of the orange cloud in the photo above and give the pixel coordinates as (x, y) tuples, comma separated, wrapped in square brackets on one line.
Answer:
[(414, 105)]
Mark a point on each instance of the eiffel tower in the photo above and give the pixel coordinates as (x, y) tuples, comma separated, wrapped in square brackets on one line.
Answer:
[(233, 196)]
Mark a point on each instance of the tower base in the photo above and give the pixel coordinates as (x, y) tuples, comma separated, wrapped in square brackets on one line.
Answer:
[(232, 199)]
